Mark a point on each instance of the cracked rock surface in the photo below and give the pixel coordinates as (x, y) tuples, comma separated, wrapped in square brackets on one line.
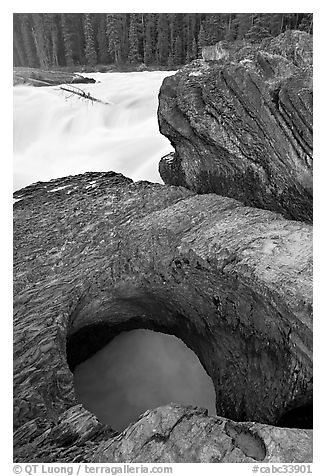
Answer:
[(96, 254), (241, 125)]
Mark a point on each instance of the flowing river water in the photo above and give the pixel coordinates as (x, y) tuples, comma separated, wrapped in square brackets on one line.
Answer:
[(55, 136)]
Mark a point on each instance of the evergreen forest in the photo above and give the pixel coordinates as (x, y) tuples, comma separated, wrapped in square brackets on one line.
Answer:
[(44, 40)]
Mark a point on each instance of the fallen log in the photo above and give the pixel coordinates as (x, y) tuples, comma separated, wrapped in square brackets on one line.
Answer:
[(83, 94), (38, 77), (32, 81)]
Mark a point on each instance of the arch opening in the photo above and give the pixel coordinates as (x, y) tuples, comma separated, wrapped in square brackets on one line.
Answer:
[(139, 370), (236, 359)]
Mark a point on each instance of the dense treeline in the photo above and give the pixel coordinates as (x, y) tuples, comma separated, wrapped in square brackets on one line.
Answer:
[(66, 39)]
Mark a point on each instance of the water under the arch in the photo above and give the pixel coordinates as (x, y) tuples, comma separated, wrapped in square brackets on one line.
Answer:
[(56, 135), (141, 370)]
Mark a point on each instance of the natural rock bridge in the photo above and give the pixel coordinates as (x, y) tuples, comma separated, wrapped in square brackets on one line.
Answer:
[(97, 254)]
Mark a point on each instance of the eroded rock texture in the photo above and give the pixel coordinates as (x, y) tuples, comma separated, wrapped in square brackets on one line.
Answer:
[(175, 434), (241, 125), (96, 254)]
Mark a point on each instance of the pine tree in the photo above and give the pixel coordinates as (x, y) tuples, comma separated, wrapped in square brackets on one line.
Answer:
[(202, 36), (162, 39), (90, 53), (141, 35), (177, 51), (276, 23), (187, 37), (258, 31), (67, 39), (50, 37), (103, 55), (170, 60), (245, 22), (193, 22), (18, 50), (289, 21), (214, 29), (194, 50), (172, 20), (113, 33), (52, 21), (123, 21), (149, 43), (28, 39), (78, 38), (41, 39), (18, 57), (306, 23), (230, 28), (133, 56)]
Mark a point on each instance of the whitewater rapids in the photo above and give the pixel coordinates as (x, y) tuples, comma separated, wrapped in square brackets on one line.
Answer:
[(56, 135)]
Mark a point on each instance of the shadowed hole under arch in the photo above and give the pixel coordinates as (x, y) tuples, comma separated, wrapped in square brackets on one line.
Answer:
[(140, 370), (91, 330)]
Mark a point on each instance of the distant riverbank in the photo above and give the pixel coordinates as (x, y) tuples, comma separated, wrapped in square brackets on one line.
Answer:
[(74, 74)]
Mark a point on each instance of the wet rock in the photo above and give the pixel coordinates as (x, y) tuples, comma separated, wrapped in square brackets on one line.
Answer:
[(96, 254), (241, 125), (176, 434)]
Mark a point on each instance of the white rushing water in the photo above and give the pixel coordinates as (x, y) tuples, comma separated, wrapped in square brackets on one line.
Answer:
[(56, 135)]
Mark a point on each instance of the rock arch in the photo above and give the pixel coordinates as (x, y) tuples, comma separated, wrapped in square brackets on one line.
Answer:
[(239, 337), (233, 282)]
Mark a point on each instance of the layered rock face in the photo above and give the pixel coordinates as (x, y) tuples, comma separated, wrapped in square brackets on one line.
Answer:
[(97, 254), (240, 121)]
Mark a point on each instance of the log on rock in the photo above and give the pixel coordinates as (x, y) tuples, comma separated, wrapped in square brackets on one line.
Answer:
[(241, 125), (39, 77), (96, 254)]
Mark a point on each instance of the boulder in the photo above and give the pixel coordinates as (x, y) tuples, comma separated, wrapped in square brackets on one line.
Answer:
[(240, 121), (97, 254)]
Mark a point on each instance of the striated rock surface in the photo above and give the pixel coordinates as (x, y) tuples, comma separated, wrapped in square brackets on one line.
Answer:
[(240, 121), (73, 438), (96, 254)]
